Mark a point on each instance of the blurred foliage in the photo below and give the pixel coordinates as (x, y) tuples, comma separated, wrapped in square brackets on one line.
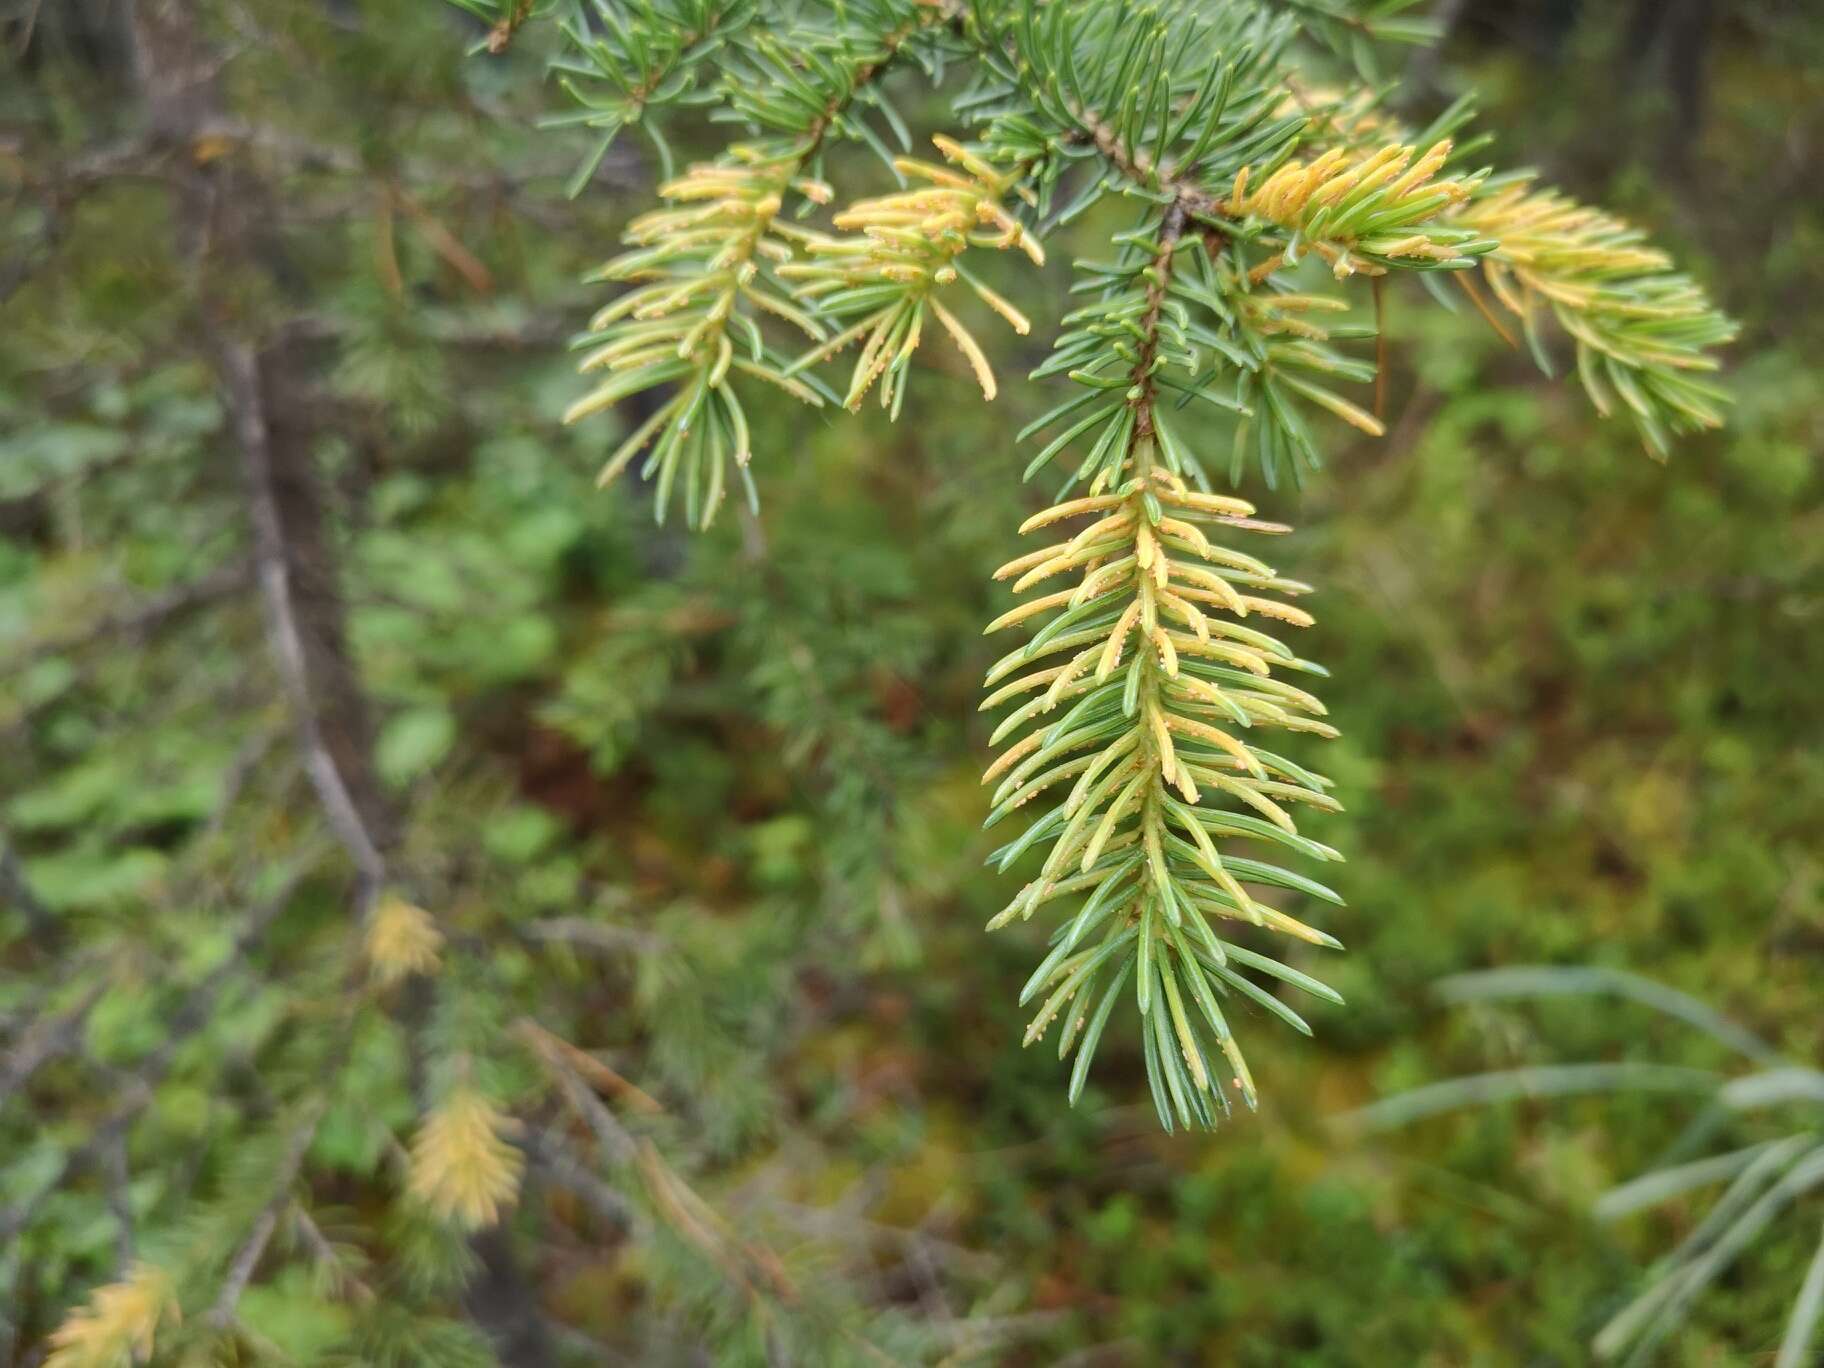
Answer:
[(1578, 694)]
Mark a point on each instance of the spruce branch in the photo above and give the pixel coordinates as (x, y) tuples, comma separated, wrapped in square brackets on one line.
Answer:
[(1160, 674), (701, 263), (119, 1324), (401, 939), (335, 1264), (631, 64), (908, 248), (462, 1167), (1362, 213), (1644, 334), (1351, 29), (750, 1267), (1242, 167), (1643, 331)]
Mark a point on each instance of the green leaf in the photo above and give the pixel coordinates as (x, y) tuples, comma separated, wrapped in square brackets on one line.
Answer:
[(412, 742)]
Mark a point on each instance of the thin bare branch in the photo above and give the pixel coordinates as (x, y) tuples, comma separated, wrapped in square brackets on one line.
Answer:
[(144, 617), (17, 891), (44, 1041), (596, 935), (273, 560), (559, 1166), (247, 1257)]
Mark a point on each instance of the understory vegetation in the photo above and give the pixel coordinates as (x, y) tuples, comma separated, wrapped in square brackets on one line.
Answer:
[(448, 915)]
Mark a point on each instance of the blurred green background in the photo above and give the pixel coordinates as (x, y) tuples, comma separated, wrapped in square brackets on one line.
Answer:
[(1582, 699)]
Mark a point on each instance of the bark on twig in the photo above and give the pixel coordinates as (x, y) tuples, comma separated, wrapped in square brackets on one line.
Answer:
[(277, 559)]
